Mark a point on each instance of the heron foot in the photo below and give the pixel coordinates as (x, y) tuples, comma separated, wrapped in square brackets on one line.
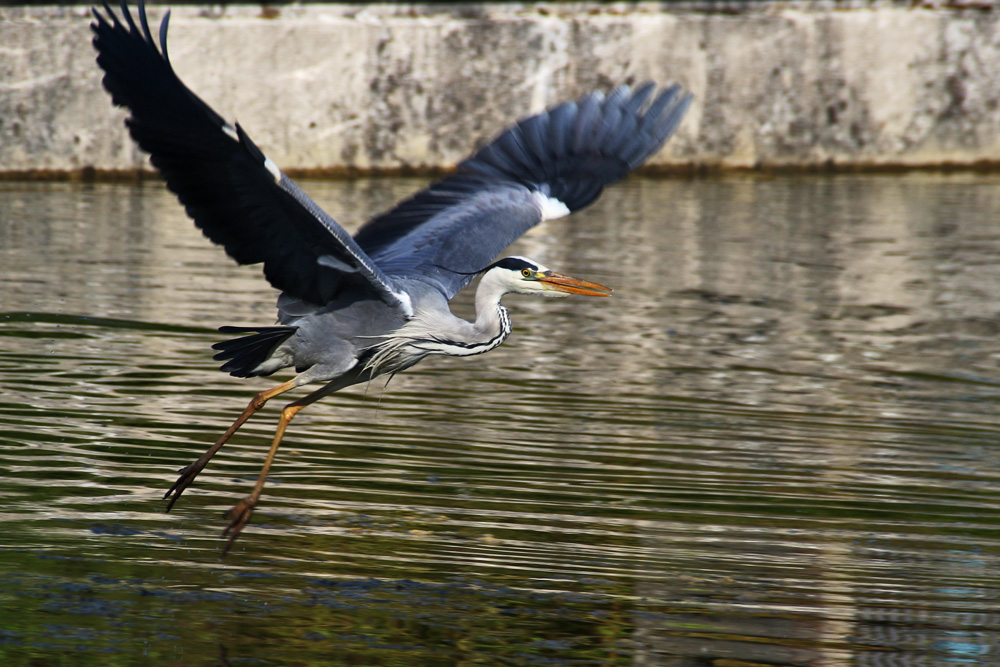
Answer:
[(188, 473), (238, 517)]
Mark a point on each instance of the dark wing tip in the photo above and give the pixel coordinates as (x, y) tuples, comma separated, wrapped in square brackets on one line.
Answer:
[(577, 148), (234, 194), (569, 152)]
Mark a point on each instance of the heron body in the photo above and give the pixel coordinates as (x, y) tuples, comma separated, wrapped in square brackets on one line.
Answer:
[(352, 308)]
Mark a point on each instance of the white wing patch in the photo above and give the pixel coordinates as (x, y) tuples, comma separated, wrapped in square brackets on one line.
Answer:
[(551, 207), (269, 164), (336, 264), (273, 168), (406, 302)]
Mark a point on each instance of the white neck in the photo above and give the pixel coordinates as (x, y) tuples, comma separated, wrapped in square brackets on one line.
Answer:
[(452, 336), (489, 313)]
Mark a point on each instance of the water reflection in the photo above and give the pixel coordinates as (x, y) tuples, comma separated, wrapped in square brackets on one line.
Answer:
[(775, 444)]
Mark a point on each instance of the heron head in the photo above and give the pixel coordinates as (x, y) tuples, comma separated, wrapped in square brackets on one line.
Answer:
[(524, 276)]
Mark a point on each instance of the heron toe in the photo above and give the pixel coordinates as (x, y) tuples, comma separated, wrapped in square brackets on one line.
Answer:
[(238, 517), (187, 475)]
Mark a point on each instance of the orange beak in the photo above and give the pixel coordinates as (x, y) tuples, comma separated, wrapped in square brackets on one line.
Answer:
[(570, 285)]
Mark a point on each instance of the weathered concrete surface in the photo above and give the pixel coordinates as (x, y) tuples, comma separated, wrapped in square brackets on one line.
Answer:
[(341, 87)]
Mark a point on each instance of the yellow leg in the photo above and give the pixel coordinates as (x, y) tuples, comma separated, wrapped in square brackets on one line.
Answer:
[(190, 472), (240, 514)]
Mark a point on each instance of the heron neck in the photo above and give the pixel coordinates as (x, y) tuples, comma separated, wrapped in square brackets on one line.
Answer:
[(490, 315)]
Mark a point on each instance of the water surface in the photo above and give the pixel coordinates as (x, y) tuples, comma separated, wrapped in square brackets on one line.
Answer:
[(775, 444)]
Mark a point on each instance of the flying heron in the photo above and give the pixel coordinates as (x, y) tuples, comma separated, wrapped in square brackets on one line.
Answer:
[(353, 308)]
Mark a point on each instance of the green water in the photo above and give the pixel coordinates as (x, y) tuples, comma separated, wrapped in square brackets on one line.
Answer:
[(777, 443)]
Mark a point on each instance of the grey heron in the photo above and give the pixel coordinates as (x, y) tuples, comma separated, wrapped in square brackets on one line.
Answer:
[(353, 308)]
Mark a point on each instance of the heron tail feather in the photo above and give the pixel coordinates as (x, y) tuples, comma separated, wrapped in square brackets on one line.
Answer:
[(247, 353)]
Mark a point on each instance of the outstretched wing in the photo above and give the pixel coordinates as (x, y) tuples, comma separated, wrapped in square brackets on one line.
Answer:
[(544, 167), (236, 195)]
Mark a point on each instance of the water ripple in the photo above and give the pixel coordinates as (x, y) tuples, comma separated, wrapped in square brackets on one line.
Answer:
[(776, 444)]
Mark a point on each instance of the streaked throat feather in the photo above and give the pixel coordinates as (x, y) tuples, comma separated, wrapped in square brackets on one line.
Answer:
[(418, 339)]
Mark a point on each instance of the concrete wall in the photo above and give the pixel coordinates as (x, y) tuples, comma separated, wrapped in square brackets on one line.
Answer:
[(397, 87)]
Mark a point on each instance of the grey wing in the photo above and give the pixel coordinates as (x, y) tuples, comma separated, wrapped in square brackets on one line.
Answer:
[(234, 194), (543, 167), (458, 241)]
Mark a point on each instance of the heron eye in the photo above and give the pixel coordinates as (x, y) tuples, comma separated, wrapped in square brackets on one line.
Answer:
[(526, 273)]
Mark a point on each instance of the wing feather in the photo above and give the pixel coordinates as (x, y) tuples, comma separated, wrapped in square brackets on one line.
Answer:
[(234, 194), (445, 234)]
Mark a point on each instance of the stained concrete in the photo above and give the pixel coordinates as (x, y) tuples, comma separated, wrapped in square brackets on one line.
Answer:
[(398, 87)]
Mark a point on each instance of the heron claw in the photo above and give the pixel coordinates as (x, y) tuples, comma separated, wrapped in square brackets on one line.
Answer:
[(238, 517), (188, 473)]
